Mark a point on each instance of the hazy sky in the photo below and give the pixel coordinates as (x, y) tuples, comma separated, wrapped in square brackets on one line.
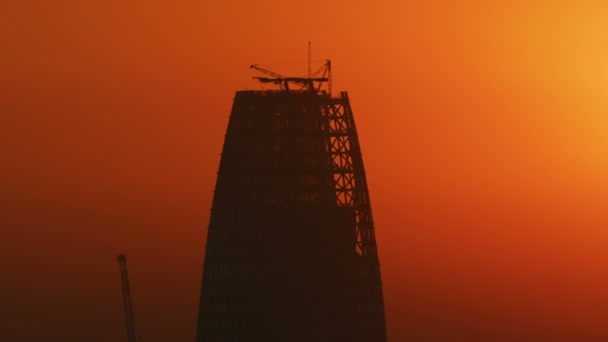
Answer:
[(482, 124)]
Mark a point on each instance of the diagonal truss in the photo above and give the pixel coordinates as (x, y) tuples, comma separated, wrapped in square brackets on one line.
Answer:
[(347, 168)]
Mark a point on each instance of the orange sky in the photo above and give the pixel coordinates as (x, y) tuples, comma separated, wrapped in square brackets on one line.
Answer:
[(483, 129)]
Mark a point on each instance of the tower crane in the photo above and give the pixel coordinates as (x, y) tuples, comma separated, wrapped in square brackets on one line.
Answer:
[(305, 83), (132, 335)]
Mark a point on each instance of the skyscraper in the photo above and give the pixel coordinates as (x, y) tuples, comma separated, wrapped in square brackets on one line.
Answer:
[(291, 252)]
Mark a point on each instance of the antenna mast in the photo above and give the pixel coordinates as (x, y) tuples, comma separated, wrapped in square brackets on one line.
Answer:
[(309, 61)]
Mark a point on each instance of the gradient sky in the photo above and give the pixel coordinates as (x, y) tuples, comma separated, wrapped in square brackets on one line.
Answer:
[(482, 123)]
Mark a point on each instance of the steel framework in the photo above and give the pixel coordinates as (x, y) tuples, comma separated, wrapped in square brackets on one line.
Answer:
[(291, 252)]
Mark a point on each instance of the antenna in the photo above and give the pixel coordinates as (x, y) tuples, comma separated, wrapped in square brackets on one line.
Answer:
[(309, 61)]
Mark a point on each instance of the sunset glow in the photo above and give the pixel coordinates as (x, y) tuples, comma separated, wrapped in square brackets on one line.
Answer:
[(482, 125)]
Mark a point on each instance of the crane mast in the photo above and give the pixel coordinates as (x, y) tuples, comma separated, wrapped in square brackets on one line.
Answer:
[(126, 300)]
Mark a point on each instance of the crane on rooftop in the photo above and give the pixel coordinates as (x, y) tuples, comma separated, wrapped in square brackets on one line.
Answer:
[(321, 76), (305, 83)]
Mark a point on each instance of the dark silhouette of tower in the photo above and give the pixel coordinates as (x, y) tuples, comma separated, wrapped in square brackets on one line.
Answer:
[(291, 253)]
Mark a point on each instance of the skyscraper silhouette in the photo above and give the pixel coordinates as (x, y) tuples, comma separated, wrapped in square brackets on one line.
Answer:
[(291, 253)]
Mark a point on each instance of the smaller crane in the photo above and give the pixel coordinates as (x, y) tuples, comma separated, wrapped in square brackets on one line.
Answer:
[(132, 335)]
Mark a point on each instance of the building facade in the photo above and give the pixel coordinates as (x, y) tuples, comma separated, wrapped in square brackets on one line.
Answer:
[(291, 253)]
